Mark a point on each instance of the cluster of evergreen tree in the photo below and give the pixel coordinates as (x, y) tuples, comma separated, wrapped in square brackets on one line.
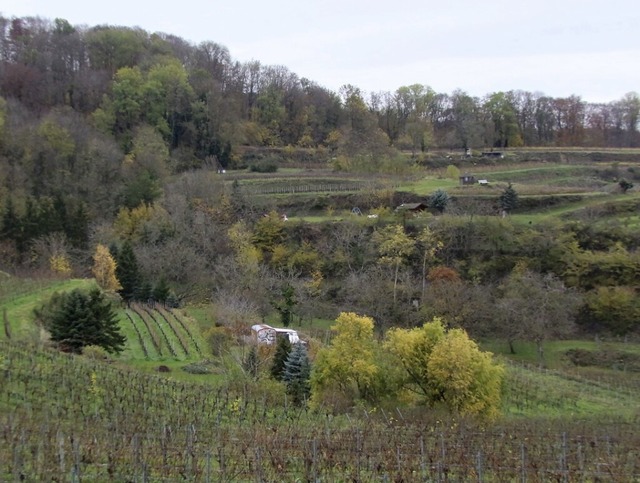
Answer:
[(42, 217), (133, 285), (291, 365)]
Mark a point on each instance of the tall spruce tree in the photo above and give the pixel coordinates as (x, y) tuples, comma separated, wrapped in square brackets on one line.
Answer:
[(297, 374), (439, 200), (128, 272), (78, 319), (161, 290), (508, 199)]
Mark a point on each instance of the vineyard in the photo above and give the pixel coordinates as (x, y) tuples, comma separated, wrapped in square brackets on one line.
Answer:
[(68, 418), (160, 332)]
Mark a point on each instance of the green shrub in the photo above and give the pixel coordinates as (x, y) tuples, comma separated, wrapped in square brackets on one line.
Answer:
[(219, 339), (263, 167)]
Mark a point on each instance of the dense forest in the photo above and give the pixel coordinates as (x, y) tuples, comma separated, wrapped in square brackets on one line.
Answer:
[(114, 136)]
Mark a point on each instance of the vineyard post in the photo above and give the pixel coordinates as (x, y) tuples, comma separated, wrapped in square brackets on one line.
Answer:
[(479, 465), (145, 475), (191, 458), (75, 474), (443, 455), (221, 463), (423, 467), (61, 452), (75, 471), (17, 459), (358, 450), (207, 477), (563, 460), (259, 475), (314, 462), (580, 458), (523, 477), (136, 452)]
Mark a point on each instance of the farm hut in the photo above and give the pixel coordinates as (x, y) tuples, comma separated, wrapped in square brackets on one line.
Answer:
[(493, 154), (412, 207), (467, 179)]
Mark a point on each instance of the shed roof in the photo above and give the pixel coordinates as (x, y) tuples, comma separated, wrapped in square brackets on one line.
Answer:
[(412, 206)]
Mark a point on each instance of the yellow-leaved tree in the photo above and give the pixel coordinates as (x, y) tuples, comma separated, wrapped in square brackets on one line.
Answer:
[(247, 256), (345, 370), (104, 269), (59, 264), (394, 248), (447, 367)]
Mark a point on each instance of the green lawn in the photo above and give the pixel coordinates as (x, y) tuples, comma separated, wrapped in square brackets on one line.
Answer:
[(20, 297)]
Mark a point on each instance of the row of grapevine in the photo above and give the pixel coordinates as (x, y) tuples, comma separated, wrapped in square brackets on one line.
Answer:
[(160, 332), (141, 340), (160, 319), (171, 315), (150, 320), (150, 330)]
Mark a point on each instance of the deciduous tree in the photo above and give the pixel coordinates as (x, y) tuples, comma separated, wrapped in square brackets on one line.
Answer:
[(104, 269), (347, 365), (394, 247), (535, 307), (615, 309), (446, 366)]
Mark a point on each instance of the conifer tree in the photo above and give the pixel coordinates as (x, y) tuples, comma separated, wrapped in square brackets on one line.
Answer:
[(439, 200), (127, 272), (508, 199), (11, 228), (78, 319), (161, 290), (297, 374), (283, 349)]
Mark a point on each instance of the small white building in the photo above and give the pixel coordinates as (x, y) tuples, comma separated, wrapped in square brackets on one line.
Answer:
[(265, 334)]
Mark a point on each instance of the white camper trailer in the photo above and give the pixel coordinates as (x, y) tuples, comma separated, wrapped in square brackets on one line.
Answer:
[(265, 334)]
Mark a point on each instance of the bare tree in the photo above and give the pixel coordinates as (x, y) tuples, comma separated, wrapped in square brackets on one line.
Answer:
[(535, 307)]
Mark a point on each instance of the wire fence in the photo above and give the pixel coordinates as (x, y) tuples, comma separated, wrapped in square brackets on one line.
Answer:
[(296, 188)]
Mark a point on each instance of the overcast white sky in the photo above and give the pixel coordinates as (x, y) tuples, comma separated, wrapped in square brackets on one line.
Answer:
[(559, 47)]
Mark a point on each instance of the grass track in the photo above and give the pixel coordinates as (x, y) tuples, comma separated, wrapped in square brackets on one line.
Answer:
[(20, 297)]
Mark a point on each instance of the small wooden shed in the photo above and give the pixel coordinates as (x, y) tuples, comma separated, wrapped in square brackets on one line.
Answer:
[(412, 207), (467, 179)]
